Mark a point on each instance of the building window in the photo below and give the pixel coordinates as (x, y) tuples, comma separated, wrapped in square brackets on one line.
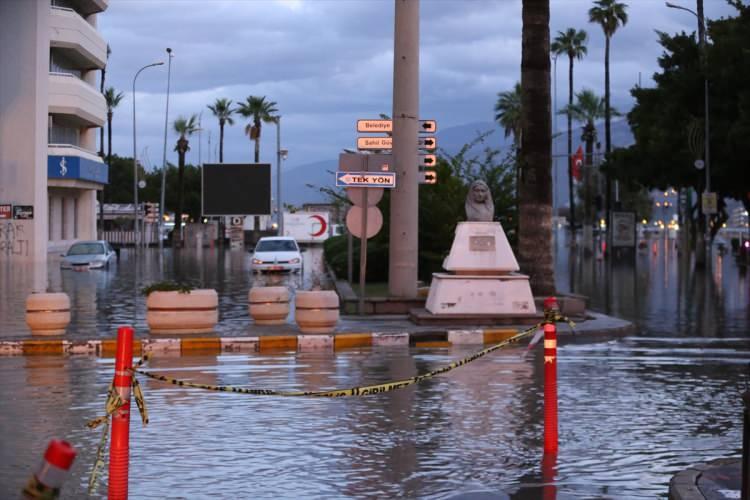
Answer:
[(58, 63), (60, 134)]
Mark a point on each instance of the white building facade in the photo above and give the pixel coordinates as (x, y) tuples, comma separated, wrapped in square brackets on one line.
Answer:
[(50, 113)]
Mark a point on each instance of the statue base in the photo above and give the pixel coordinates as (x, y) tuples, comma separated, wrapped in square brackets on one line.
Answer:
[(507, 294)]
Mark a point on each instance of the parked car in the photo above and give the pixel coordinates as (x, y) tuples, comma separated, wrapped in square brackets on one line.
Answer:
[(277, 253), (88, 255)]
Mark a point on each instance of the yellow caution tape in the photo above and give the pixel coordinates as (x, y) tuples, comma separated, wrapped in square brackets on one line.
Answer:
[(114, 402), (353, 391)]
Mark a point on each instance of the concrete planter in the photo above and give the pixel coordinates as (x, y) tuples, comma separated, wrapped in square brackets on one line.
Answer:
[(174, 312), (316, 311), (268, 305), (47, 313)]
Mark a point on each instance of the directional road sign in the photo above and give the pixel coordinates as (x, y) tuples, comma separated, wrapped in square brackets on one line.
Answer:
[(427, 160), (425, 126), (374, 142), (366, 179), (363, 143), (428, 177), (429, 143)]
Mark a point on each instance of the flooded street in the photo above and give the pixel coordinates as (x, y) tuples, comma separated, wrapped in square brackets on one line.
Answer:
[(632, 412)]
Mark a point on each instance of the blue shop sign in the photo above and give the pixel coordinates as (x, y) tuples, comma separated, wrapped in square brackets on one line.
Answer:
[(77, 168)]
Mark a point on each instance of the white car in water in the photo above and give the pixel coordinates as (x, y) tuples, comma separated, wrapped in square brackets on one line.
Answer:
[(277, 253), (88, 255)]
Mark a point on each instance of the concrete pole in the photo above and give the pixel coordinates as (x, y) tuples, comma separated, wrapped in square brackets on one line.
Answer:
[(164, 155), (404, 244)]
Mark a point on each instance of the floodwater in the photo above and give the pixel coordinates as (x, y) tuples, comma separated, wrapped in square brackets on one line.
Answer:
[(103, 299), (633, 411)]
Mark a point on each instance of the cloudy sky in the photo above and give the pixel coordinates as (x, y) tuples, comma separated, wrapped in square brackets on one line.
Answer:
[(327, 63)]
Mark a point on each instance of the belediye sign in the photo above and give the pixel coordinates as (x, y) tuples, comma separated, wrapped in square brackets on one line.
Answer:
[(23, 212), (6, 211)]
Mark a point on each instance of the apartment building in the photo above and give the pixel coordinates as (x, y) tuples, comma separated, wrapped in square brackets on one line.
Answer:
[(51, 109)]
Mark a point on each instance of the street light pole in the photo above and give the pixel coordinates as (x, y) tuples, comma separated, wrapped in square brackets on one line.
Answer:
[(135, 157), (704, 63), (279, 215), (164, 156)]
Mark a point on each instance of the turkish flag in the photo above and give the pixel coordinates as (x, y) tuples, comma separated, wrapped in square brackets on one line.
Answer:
[(576, 162)]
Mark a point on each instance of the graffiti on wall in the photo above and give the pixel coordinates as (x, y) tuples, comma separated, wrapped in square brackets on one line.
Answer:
[(13, 241)]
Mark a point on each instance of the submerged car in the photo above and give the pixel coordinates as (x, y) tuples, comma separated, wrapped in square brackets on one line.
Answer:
[(279, 253), (88, 255)]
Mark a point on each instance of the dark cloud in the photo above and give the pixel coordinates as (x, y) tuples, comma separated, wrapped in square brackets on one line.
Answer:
[(328, 62)]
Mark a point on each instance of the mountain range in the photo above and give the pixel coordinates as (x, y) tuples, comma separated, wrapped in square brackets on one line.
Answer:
[(302, 183)]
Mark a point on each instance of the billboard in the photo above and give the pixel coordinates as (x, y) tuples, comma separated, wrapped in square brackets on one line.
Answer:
[(307, 227), (623, 229), (236, 189)]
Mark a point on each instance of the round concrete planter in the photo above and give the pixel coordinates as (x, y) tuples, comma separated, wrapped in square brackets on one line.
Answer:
[(47, 313), (268, 305), (174, 312), (316, 311)]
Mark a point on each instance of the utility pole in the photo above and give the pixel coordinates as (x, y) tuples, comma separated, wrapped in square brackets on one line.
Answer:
[(404, 242)]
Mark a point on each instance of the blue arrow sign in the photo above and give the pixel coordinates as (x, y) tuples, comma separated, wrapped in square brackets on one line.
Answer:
[(366, 179)]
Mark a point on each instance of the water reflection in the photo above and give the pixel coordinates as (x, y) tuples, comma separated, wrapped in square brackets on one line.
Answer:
[(632, 413), (659, 288), (103, 299)]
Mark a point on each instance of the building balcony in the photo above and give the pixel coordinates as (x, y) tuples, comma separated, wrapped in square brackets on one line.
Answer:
[(80, 41), (81, 103), (88, 7), (70, 164)]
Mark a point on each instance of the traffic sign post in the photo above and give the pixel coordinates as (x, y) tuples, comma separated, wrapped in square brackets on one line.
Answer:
[(425, 126), (428, 177), (380, 143), (709, 203), (366, 179), (427, 160)]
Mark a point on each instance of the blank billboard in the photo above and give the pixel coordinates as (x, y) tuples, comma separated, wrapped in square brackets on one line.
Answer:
[(236, 189)]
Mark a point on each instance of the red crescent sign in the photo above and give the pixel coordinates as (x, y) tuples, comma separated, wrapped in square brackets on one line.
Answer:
[(323, 226)]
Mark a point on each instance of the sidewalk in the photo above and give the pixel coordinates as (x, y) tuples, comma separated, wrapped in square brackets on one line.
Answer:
[(352, 331), (717, 480)]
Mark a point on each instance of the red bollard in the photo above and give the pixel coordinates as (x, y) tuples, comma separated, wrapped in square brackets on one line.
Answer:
[(49, 476), (119, 450), (550, 388), (549, 469)]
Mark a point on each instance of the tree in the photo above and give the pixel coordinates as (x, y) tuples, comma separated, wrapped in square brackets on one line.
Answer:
[(222, 109), (112, 99), (186, 128), (259, 111), (610, 15), (573, 44), (587, 109), (508, 116), (535, 217)]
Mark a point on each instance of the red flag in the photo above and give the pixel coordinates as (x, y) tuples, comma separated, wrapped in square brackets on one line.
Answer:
[(576, 162)]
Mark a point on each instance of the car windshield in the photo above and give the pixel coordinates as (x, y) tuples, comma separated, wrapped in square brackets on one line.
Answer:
[(276, 246), (86, 249)]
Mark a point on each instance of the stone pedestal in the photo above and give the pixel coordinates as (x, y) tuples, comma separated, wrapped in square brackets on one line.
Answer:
[(484, 280)]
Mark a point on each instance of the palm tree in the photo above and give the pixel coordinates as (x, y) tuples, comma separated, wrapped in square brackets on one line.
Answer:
[(259, 111), (112, 98), (535, 217), (610, 15), (587, 109), (508, 116), (222, 109), (186, 128), (572, 43)]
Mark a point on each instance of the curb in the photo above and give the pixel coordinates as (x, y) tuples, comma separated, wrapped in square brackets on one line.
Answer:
[(217, 345)]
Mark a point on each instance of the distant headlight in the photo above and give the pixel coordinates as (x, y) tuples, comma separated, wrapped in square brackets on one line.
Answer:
[(257, 261), (294, 261)]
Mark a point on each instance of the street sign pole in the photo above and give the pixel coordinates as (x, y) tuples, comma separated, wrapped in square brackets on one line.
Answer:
[(363, 255)]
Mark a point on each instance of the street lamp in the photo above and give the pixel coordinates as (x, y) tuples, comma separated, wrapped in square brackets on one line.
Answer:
[(135, 161), (280, 154), (702, 42), (164, 156)]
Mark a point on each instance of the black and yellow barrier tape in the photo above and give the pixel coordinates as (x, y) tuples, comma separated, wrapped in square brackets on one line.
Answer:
[(113, 403), (355, 391)]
